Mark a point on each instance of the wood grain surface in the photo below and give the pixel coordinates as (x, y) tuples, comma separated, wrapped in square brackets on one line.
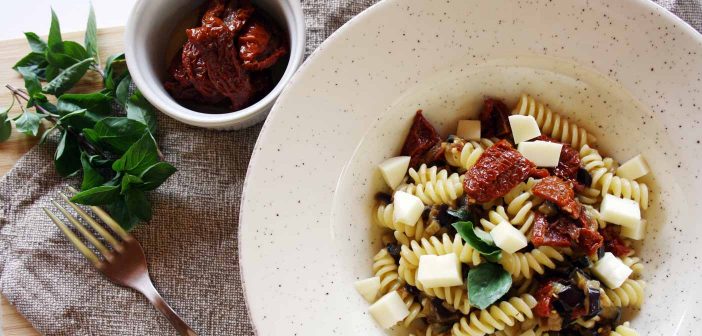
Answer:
[(110, 42)]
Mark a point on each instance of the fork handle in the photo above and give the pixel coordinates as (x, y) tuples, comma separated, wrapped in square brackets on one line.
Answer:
[(159, 303)]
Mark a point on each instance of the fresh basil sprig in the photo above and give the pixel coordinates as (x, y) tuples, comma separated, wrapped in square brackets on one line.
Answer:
[(479, 240), (117, 155), (487, 283)]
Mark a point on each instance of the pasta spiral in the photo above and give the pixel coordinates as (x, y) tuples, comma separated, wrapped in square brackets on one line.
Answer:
[(496, 317), (630, 294), (434, 188), (464, 154), (385, 268), (522, 265), (519, 202), (414, 307), (604, 179), (495, 217), (624, 330), (635, 264), (552, 124), (384, 218)]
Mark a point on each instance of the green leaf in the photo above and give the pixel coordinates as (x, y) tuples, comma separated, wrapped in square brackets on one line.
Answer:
[(129, 182), (140, 156), (80, 119), (51, 72), (467, 232), (94, 102), (118, 133), (97, 196), (139, 109), (122, 91), (114, 67), (47, 133), (5, 124), (484, 236), (32, 59), (67, 157), (55, 42), (31, 83), (155, 175), (28, 123), (67, 78), (91, 177), (60, 60), (91, 36), (119, 211), (138, 204), (75, 50), (36, 43), (487, 283)]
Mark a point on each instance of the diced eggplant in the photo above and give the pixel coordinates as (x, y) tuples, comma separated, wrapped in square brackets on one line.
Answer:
[(582, 262), (569, 297), (383, 197), (394, 251), (438, 313), (584, 177), (593, 300)]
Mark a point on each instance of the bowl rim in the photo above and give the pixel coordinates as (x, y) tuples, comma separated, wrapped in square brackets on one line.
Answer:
[(295, 24)]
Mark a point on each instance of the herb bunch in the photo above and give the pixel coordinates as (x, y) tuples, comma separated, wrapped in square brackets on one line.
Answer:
[(117, 155)]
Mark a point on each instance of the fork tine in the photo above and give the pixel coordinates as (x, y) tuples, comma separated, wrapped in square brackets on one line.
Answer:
[(107, 219), (74, 239), (78, 225), (97, 227)]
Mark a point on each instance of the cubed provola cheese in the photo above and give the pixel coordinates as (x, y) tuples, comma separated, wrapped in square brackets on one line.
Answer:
[(408, 208), (389, 310), (368, 288), (636, 232), (541, 153), (624, 212), (611, 270), (394, 170), (508, 238), (523, 128), (439, 271), (634, 168)]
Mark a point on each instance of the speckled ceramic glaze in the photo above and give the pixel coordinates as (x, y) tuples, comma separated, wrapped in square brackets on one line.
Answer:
[(627, 70)]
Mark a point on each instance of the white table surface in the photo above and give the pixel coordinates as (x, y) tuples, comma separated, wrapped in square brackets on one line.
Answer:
[(18, 16)]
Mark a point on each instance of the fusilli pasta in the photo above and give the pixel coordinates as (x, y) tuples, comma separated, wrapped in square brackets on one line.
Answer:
[(604, 179), (385, 268), (434, 188), (624, 330), (630, 294), (523, 265), (496, 317), (463, 154)]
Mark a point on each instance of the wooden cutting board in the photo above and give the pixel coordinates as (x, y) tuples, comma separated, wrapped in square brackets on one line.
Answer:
[(110, 42)]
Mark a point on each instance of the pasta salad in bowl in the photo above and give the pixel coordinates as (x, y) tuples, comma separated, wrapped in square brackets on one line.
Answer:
[(514, 224)]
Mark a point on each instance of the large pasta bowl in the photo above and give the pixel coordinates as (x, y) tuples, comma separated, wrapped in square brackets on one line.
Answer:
[(628, 71)]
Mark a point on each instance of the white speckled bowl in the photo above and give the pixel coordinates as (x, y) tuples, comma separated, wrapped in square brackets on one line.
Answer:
[(148, 49), (627, 70)]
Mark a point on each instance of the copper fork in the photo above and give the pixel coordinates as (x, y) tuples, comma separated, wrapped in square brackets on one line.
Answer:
[(124, 264)]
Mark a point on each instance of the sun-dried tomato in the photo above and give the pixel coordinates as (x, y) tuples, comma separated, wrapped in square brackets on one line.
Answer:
[(568, 163), (562, 231), (494, 119), (613, 243), (540, 173), (559, 192), (421, 138), (544, 298), (589, 241), (260, 44), (499, 169)]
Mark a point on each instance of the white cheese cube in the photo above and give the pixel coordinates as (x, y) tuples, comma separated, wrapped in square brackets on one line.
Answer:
[(468, 129), (620, 211), (636, 232), (408, 208), (368, 288), (541, 153), (508, 238), (439, 271), (394, 170), (634, 168), (389, 310), (523, 128), (611, 270)]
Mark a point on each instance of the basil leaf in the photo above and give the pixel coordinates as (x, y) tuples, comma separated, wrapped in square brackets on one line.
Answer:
[(91, 177), (36, 43), (31, 83), (155, 175), (97, 196), (67, 78), (461, 214), (467, 232), (118, 133), (114, 67), (5, 124), (122, 91), (119, 211), (94, 102), (138, 204), (75, 51), (129, 181), (80, 119), (28, 123), (55, 42), (140, 156), (487, 283), (484, 236), (67, 157), (139, 109), (32, 59), (91, 36)]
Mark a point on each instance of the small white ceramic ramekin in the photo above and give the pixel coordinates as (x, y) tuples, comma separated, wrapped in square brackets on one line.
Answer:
[(147, 37)]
